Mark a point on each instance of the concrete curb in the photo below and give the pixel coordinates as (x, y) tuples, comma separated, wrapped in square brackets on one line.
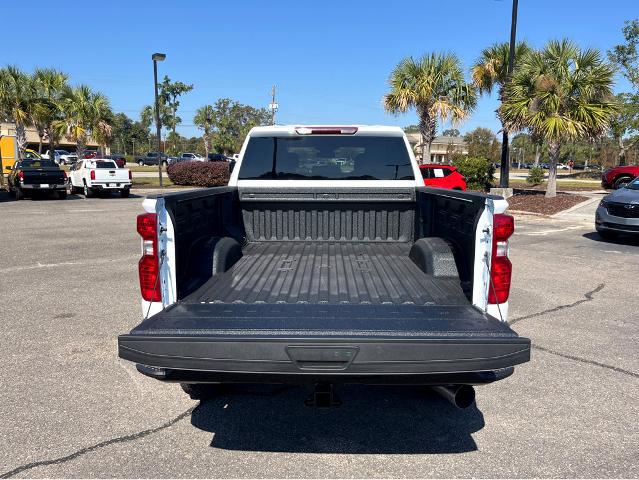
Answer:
[(575, 207), (528, 214)]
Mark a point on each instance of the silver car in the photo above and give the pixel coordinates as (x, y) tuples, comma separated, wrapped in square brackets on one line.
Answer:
[(619, 212)]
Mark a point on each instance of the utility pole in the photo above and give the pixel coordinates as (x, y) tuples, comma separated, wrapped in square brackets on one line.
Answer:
[(273, 105), (158, 57), (505, 157)]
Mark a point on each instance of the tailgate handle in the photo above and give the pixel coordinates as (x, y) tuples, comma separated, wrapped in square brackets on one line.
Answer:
[(321, 357)]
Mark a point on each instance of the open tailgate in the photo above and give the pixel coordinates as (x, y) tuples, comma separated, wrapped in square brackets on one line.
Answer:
[(337, 339)]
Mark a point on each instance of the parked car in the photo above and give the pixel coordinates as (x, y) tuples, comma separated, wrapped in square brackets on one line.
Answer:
[(562, 166), (36, 175), (152, 158), (618, 212), (91, 154), (91, 176), (186, 156), (325, 276), (442, 176), (62, 157), (118, 158), (218, 157), (618, 177)]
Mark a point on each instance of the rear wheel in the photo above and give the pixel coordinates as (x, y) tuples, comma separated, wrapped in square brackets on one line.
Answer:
[(62, 195), (17, 194), (200, 391), (622, 182), (125, 192), (88, 192), (141, 163)]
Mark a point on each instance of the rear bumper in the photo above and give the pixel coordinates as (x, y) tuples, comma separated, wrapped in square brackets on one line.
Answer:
[(111, 186), (34, 187)]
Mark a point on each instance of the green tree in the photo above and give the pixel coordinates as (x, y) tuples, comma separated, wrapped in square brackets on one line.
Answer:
[(204, 119), (87, 114), (490, 72), (626, 122), (482, 142), (435, 87), (170, 92), (128, 135), (626, 56), (232, 122), (49, 85), (560, 94), (168, 99), (17, 101)]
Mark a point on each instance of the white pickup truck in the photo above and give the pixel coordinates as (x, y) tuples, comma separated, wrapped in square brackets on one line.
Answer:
[(91, 176), (62, 157), (325, 261)]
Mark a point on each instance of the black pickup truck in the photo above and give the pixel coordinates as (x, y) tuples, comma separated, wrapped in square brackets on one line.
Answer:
[(29, 176), (325, 261), (152, 158)]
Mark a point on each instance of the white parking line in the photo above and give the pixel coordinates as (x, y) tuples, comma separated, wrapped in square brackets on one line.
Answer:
[(543, 233), (39, 265)]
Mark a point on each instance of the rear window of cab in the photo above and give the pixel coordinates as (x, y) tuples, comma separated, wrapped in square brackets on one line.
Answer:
[(326, 157)]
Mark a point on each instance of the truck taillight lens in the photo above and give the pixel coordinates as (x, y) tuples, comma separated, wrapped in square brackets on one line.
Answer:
[(65, 174), (130, 176), (149, 265), (92, 174), (500, 266), (21, 175)]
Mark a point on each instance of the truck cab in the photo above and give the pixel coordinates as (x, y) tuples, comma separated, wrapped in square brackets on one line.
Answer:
[(324, 261)]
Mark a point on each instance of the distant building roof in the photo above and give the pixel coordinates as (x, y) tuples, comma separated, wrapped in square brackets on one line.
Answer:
[(415, 138)]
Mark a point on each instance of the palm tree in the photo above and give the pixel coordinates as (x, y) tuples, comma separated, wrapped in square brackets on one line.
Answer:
[(435, 86), (490, 71), (204, 119), (17, 101), (49, 85), (560, 94), (87, 114)]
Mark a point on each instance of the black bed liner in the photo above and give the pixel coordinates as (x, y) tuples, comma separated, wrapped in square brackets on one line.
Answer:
[(324, 290), (328, 273)]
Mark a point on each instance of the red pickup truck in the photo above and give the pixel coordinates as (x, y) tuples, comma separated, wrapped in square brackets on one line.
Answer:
[(618, 177)]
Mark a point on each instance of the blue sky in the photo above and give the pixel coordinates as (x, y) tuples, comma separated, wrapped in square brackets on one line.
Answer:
[(330, 60)]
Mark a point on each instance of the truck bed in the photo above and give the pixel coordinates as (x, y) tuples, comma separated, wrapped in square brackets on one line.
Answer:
[(328, 273)]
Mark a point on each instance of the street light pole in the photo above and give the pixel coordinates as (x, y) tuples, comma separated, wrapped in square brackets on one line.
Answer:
[(158, 57), (505, 167)]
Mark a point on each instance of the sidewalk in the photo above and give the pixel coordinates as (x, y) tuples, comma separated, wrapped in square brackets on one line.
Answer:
[(583, 212)]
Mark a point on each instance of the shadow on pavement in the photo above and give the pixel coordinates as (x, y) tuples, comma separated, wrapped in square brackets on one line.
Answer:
[(371, 420), (632, 240)]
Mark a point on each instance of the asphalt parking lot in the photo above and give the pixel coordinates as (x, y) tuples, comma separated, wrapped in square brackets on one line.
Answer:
[(71, 408)]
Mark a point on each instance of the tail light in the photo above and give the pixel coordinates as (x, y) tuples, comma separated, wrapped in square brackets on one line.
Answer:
[(130, 176), (92, 174), (21, 175), (500, 267), (149, 265), (65, 174)]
